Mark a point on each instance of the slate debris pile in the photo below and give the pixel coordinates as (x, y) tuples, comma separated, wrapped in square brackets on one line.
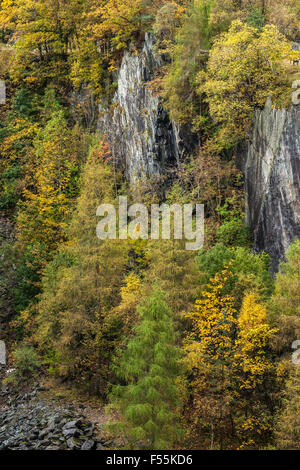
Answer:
[(28, 422)]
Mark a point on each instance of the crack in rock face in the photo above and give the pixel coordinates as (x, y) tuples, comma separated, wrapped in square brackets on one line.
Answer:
[(272, 181)]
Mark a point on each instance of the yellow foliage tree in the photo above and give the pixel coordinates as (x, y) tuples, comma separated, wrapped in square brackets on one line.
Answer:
[(131, 294), (244, 68), (90, 290), (254, 335), (48, 204), (252, 369), (228, 365), (208, 358), (116, 20), (43, 31)]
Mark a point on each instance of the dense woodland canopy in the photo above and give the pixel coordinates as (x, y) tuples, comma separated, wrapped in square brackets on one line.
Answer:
[(141, 324)]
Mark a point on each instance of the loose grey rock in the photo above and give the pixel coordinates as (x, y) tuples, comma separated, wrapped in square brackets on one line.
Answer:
[(88, 445), (28, 422)]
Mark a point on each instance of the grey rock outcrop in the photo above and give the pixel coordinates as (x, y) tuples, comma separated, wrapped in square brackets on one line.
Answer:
[(145, 142), (142, 138), (271, 166)]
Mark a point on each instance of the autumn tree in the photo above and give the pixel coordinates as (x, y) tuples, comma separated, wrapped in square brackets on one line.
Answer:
[(284, 314), (40, 163), (76, 323), (251, 71), (281, 13), (188, 57), (288, 419), (42, 35), (207, 179), (131, 293), (284, 305), (17, 135), (229, 368), (249, 271), (174, 268), (116, 20), (285, 15), (149, 402), (254, 372), (209, 350), (168, 19), (286, 298), (47, 207)]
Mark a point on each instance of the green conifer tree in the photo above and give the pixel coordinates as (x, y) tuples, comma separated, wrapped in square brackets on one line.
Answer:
[(150, 367)]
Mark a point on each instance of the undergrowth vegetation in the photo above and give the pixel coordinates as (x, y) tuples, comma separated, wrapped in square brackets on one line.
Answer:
[(191, 349)]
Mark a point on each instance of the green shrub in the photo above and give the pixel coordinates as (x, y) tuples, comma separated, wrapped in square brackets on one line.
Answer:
[(234, 233), (26, 365), (250, 271)]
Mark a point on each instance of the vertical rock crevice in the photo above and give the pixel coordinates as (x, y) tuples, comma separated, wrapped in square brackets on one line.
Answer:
[(143, 139)]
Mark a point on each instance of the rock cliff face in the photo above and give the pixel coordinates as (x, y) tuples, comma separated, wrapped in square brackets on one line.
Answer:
[(143, 140), (271, 165)]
